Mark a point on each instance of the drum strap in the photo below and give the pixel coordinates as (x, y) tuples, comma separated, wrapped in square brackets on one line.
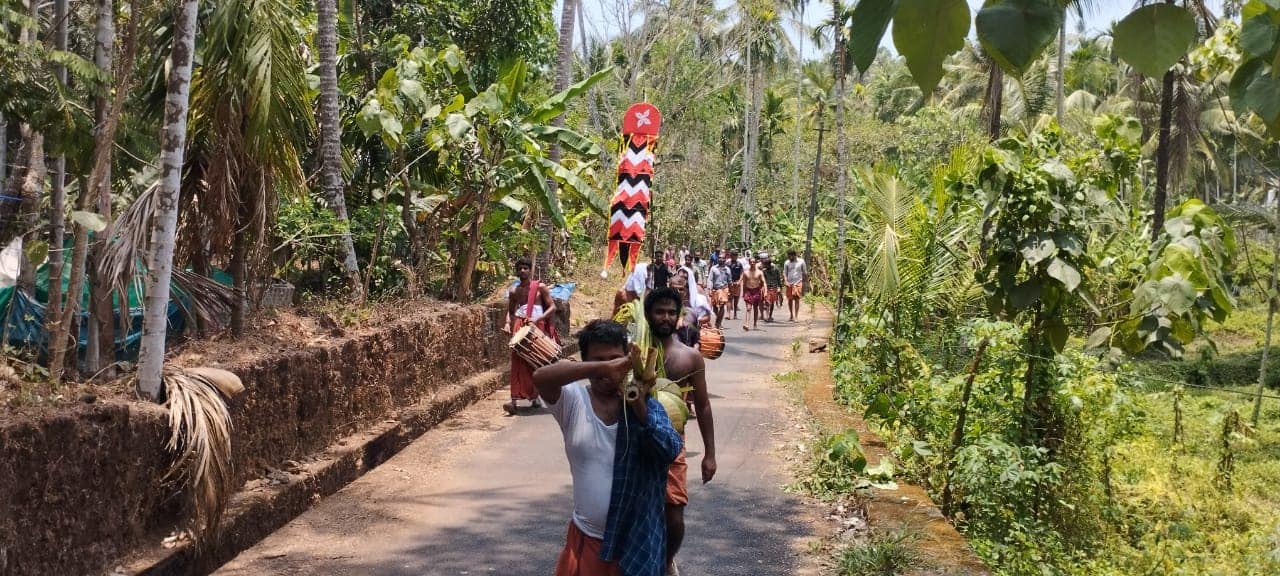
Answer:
[(533, 297)]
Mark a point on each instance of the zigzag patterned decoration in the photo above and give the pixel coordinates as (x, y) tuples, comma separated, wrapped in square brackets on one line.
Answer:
[(630, 206)]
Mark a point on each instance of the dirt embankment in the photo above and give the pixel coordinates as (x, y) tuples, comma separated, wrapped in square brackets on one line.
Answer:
[(81, 485), (907, 508)]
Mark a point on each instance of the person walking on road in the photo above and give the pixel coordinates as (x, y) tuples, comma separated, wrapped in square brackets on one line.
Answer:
[(638, 281), (619, 455), (529, 303), (753, 290), (684, 365), (794, 271), (661, 271), (773, 284), (735, 280), (720, 279)]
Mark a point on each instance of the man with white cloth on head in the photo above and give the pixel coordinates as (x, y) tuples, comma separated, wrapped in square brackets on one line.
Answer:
[(697, 310)]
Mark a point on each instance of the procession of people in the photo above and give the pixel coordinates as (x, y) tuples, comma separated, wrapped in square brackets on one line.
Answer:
[(626, 458)]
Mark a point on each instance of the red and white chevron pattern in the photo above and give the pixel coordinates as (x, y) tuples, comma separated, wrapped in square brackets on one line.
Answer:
[(630, 206)]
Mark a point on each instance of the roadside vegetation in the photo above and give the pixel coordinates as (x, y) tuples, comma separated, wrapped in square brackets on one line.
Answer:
[(1052, 250)]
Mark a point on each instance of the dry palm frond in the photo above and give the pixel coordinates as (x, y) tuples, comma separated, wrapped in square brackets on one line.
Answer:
[(1247, 215), (123, 264), (206, 299), (200, 436), (121, 257)]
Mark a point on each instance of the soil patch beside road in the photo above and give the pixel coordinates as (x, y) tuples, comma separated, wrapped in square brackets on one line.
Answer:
[(908, 507)]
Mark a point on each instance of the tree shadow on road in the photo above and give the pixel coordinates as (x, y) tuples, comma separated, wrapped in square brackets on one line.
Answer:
[(731, 532)]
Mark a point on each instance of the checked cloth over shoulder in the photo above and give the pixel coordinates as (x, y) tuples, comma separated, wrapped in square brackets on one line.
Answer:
[(636, 533)]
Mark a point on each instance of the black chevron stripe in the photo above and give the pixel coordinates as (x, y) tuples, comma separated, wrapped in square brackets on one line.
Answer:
[(634, 179), (637, 147), (628, 212), (627, 238)]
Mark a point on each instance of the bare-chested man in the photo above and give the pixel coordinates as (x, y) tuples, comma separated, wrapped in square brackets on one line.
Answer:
[(529, 302), (662, 309), (754, 287)]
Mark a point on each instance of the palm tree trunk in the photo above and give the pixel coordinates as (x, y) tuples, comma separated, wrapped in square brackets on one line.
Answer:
[(747, 145), (1059, 76), (57, 200), (242, 282), (101, 349), (813, 193), (1271, 314), (995, 101), (101, 346), (795, 147), (757, 94), (32, 190), (564, 57), (30, 182), (1235, 175), (165, 224), (842, 178), (1162, 155), (331, 138), (4, 152)]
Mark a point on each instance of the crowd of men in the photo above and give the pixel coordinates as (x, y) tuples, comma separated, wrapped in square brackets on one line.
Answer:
[(627, 460), (733, 281)]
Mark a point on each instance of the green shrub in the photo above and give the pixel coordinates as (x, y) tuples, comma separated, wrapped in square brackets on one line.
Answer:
[(882, 555)]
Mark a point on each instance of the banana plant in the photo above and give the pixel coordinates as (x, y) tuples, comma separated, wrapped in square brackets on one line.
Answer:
[(484, 148)]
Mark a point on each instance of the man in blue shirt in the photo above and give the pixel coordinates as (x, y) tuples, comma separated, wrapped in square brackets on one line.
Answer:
[(619, 453)]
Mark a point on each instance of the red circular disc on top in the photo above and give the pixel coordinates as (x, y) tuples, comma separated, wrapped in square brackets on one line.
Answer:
[(642, 118)]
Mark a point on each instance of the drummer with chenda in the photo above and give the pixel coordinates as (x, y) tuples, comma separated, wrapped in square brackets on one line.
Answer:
[(529, 305)]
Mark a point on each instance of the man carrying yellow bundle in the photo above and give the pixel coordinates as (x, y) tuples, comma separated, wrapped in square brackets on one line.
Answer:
[(619, 452), (684, 365)]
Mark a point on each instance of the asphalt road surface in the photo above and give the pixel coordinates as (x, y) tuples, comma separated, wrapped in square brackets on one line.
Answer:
[(489, 494)]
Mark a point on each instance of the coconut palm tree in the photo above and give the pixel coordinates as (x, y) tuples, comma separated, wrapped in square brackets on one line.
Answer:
[(164, 227), (1176, 100), (773, 116), (331, 137), (764, 44), (1079, 7), (1091, 67), (909, 251), (797, 9), (838, 27), (251, 115), (564, 58), (100, 351), (817, 86), (57, 192)]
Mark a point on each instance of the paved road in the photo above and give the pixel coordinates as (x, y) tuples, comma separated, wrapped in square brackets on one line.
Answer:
[(489, 494)]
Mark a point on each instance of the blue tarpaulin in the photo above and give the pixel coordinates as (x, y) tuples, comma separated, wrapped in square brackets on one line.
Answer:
[(24, 315), (559, 291)]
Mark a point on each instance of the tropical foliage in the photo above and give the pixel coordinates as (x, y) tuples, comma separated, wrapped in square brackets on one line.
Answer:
[(985, 207)]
